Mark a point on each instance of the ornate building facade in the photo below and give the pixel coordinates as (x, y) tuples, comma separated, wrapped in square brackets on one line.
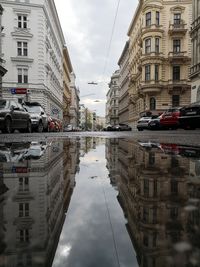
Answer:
[(112, 104), (67, 70), (160, 57), (33, 43), (123, 85)]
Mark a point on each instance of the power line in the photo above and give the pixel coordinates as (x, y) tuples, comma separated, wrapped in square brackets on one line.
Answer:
[(111, 38)]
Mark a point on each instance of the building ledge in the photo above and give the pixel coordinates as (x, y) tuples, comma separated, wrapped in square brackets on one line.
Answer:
[(22, 59)]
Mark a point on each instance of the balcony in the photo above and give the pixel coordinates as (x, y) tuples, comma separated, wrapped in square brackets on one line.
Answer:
[(178, 57), (178, 85), (178, 28), (149, 87), (195, 70)]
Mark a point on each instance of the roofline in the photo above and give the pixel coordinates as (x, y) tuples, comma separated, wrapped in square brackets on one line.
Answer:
[(135, 17), (124, 51), (66, 52)]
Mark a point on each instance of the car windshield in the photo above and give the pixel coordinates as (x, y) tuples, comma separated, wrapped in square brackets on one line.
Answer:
[(33, 109), (4, 104)]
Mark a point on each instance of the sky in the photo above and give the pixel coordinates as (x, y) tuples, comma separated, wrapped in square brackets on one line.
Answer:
[(87, 26)]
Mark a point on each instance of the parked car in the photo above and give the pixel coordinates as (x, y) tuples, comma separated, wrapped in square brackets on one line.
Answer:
[(154, 123), (39, 119), (190, 116), (35, 151), (68, 128), (13, 117), (170, 118), (122, 127), (109, 127), (143, 123), (51, 124)]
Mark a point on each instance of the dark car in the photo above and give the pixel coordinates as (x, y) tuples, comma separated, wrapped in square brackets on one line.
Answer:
[(154, 123), (190, 116), (109, 127), (39, 119), (170, 118), (122, 127), (13, 116)]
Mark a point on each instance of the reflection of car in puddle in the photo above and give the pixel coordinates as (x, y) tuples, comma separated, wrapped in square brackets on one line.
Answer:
[(13, 152), (36, 150), (173, 149), (17, 152)]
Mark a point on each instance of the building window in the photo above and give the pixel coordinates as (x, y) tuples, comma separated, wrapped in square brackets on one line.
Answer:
[(174, 187), (176, 73), (177, 19), (157, 45), (22, 49), (147, 72), (152, 103), (23, 184), (23, 209), (176, 46), (146, 187), (152, 154), (157, 18), (22, 21), (24, 235), (148, 46), (175, 100), (22, 75), (156, 72), (148, 19)]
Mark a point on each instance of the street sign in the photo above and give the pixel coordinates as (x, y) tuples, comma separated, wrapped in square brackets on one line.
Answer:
[(13, 91), (18, 91)]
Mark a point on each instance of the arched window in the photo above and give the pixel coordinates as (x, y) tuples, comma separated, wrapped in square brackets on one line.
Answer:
[(152, 103)]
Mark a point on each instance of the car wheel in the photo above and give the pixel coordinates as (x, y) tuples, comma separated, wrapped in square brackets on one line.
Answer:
[(29, 127), (40, 127), (8, 126), (140, 129)]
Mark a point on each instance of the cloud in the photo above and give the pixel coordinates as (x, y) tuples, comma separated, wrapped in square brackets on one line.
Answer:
[(87, 26)]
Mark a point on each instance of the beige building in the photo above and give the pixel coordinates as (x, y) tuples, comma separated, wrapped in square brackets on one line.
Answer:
[(124, 85), (160, 57), (67, 70), (195, 68)]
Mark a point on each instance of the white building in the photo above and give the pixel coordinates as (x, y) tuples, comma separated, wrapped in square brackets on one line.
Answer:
[(75, 99), (32, 43), (112, 103)]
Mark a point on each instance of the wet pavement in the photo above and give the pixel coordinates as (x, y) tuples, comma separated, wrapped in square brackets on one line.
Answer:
[(104, 200)]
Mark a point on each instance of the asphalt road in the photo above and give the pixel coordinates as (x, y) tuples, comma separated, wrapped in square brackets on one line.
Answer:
[(184, 137)]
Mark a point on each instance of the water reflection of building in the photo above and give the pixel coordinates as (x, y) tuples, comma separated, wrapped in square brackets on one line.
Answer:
[(112, 159), (39, 190), (89, 143), (154, 192)]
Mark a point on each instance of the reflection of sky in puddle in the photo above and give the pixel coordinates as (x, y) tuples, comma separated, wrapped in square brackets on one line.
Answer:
[(101, 203)]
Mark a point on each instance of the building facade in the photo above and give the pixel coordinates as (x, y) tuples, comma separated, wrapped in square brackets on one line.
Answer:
[(112, 104), (75, 100), (33, 44), (195, 68), (2, 69), (67, 70), (160, 57), (124, 85)]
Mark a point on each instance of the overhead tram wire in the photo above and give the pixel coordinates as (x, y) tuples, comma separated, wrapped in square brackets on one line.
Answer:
[(111, 38)]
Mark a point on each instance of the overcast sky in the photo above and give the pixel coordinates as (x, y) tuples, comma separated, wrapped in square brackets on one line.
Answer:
[(87, 27)]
